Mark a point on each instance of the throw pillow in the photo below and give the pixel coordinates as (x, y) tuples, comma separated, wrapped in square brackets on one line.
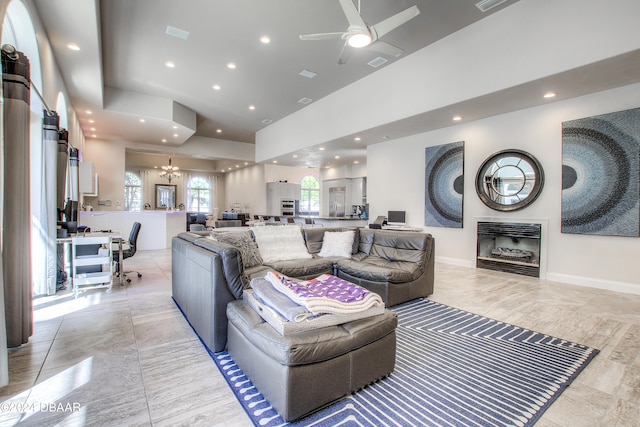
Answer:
[(245, 244), (280, 243), (337, 243)]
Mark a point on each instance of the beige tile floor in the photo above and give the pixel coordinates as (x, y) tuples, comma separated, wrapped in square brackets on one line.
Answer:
[(130, 359)]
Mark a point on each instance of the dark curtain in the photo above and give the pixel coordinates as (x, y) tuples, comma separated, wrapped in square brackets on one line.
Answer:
[(16, 247)]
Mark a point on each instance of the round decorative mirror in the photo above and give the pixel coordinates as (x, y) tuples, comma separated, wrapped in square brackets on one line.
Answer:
[(509, 180)]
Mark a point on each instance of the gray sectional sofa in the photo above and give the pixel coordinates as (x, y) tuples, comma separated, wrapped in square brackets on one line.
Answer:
[(208, 274)]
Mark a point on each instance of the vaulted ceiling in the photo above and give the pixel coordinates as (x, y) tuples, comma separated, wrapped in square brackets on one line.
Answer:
[(120, 72), (155, 73)]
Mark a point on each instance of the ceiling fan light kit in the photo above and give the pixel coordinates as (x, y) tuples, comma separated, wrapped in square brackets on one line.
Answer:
[(359, 40), (359, 34)]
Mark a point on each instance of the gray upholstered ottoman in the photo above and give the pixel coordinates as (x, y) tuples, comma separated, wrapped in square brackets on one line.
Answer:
[(302, 372)]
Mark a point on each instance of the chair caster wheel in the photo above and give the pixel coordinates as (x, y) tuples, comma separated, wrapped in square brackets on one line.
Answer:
[(139, 275), (128, 280)]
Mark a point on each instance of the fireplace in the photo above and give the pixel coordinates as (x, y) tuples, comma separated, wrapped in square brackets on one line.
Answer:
[(509, 247)]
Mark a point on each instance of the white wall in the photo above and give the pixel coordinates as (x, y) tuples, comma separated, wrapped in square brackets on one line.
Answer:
[(524, 42), (396, 181), (248, 186)]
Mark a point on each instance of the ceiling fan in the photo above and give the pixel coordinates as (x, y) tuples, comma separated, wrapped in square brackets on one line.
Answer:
[(360, 34)]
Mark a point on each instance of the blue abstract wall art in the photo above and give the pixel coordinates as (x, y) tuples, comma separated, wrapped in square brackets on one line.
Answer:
[(444, 185), (600, 174)]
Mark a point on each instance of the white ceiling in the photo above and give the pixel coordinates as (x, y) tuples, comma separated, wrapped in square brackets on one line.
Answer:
[(120, 73)]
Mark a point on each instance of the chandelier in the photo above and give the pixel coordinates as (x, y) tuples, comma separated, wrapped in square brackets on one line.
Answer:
[(169, 171)]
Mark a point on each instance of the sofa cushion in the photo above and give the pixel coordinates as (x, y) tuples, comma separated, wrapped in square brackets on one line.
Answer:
[(337, 244), (365, 242), (401, 246), (280, 243), (378, 269), (303, 269), (245, 244)]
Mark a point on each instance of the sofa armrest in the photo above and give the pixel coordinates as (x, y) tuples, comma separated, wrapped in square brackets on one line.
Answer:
[(231, 263)]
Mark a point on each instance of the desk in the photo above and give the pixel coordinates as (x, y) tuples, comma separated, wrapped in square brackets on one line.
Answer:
[(401, 228)]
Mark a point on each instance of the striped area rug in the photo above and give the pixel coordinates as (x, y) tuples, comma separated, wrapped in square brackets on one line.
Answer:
[(453, 368)]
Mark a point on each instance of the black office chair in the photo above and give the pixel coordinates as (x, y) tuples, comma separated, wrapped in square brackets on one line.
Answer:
[(129, 252)]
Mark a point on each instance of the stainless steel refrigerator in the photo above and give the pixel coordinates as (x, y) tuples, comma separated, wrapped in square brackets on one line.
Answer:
[(337, 197)]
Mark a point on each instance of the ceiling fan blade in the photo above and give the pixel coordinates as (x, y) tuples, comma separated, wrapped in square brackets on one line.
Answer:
[(352, 14), (344, 54), (393, 22), (385, 48), (322, 36)]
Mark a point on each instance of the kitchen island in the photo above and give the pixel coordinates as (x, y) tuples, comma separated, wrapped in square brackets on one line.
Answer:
[(334, 221)]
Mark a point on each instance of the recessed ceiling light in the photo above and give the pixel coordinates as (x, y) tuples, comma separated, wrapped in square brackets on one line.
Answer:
[(336, 157), (252, 107), (267, 121), (356, 162), (94, 136), (457, 118), (91, 121), (216, 87), (164, 139), (89, 112), (231, 65), (265, 39), (141, 120), (308, 74), (237, 166), (175, 134), (305, 100), (550, 94), (219, 130), (321, 148), (73, 46), (246, 163), (295, 156), (275, 161), (175, 127), (357, 138), (92, 129), (170, 64)]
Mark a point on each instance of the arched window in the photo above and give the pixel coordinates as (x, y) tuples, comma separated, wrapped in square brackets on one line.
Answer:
[(61, 109), (132, 192), (198, 195), (310, 195)]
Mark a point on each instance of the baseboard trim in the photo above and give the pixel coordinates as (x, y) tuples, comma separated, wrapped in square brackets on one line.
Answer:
[(456, 261), (609, 285)]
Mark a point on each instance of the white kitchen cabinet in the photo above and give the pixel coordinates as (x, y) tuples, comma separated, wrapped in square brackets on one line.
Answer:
[(358, 191), (87, 179)]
